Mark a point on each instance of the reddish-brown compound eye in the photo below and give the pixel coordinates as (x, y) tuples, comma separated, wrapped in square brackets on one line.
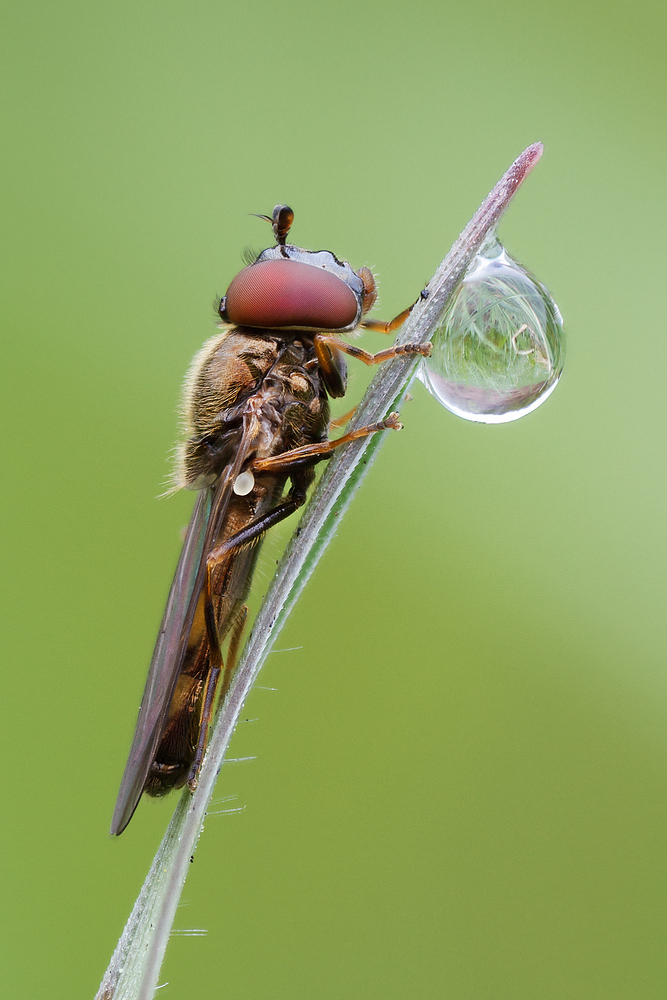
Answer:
[(283, 293)]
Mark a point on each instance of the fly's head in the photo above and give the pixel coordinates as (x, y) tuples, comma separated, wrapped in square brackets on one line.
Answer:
[(291, 288)]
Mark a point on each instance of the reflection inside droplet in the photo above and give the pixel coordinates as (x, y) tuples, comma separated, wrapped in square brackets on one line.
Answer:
[(498, 352)]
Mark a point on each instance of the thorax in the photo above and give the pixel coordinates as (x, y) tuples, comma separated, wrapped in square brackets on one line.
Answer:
[(254, 389)]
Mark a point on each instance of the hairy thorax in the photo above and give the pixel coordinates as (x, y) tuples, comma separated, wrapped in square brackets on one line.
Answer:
[(248, 388)]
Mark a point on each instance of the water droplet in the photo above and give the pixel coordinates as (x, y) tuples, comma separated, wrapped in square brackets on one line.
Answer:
[(499, 350)]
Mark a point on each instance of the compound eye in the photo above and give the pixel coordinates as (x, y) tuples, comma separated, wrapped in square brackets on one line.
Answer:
[(289, 293)]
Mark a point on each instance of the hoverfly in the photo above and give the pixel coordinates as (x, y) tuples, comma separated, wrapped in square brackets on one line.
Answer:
[(257, 415)]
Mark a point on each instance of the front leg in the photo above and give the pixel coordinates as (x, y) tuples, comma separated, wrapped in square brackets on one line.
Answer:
[(382, 326)]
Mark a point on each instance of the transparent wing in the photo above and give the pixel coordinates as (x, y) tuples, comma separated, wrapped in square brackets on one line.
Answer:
[(205, 526), (165, 665)]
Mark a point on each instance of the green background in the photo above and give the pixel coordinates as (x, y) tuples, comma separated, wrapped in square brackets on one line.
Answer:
[(459, 788)]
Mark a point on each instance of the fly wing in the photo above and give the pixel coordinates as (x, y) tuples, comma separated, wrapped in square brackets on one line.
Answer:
[(171, 645), (164, 666)]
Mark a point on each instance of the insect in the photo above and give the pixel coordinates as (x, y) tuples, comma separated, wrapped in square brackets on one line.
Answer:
[(257, 416)]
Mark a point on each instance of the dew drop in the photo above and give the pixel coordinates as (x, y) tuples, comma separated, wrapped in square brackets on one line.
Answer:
[(498, 352), (244, 483)]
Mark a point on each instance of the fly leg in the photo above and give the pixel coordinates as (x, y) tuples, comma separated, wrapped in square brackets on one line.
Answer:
[(341, 421), (205, 721), (216, 665), (310, 453), (380, 326), (216, 561), (326, 345), (233, 650), (256, 528)]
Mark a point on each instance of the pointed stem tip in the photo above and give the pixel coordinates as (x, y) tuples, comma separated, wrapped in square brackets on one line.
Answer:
[(523, 164)]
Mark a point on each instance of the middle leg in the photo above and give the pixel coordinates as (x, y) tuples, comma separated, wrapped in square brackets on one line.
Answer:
[(307, 454)]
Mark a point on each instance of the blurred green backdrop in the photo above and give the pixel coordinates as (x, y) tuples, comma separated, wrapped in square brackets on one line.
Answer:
[(459, 784)]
